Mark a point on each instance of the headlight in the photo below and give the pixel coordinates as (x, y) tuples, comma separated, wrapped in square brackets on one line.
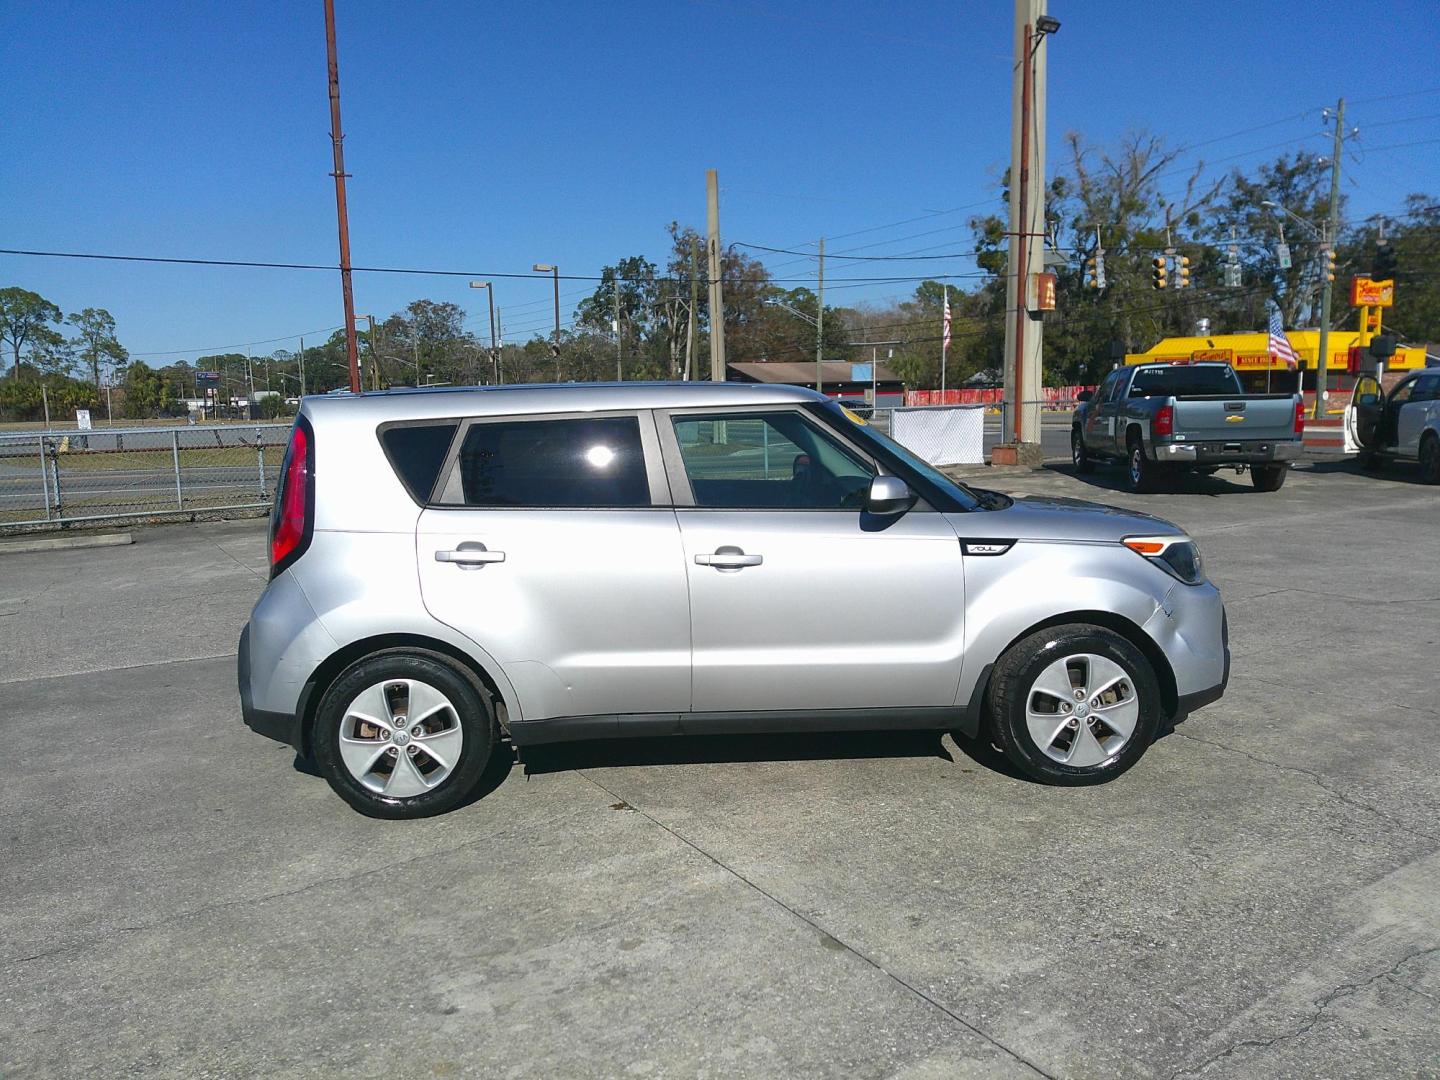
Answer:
[(1178, 555)]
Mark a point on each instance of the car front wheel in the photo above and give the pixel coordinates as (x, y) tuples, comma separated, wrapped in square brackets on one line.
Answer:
[(1074, 704), (403, 735), (1430, 459)]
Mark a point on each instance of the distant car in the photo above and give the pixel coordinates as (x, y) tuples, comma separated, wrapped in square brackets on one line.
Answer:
[(859, 406), (1162, 418), (1403, 425), (573, 562)]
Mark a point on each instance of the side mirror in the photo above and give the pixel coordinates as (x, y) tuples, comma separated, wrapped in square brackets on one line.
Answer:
[(1084, 395), (889, 495)]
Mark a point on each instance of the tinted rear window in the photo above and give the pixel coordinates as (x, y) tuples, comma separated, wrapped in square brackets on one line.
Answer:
[(1183, 381), (584, 462), (417, 451)]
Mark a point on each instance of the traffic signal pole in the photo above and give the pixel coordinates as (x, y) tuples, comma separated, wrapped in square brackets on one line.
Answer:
[(1327, 281)]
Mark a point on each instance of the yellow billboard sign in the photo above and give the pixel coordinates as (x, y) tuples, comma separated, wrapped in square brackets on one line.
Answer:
[(1366, 292)]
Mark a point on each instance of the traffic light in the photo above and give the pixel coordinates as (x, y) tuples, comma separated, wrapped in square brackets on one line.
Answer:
[(1182, 272), (1385, 263), (1328, 257), (1096, 265), (1232, 267), (1157, 280)]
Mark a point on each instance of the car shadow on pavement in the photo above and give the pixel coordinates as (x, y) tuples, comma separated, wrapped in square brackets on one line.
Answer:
[(716, 749), (1224, 482), (1392, 472)]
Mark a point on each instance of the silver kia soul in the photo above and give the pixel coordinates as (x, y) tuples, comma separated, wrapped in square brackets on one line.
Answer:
[(539, 563)]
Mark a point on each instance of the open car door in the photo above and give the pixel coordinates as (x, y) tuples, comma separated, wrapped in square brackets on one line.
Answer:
[(1363, 420)]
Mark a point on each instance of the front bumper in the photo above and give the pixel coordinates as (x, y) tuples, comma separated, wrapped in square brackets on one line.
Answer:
[(1198, 699), (1215, 452), (282, 727)]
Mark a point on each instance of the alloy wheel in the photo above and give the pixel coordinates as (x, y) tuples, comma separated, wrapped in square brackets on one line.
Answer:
[(1082, 709), (400, 738)]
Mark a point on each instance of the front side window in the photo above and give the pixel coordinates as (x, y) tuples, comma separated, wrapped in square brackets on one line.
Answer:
[(592, 462), (1402, 393), (769, 461), (1108, 387)]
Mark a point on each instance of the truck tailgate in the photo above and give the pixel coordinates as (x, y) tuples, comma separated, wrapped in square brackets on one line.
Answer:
[(1243, 417)]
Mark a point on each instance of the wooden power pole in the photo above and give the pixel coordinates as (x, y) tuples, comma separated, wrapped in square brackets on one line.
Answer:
[(352, 348)]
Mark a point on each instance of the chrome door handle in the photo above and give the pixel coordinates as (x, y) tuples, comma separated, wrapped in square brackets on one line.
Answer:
[(729, 558), (471, 555)]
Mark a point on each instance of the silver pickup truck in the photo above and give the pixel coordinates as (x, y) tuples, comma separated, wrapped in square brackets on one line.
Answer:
[(1165, 417)]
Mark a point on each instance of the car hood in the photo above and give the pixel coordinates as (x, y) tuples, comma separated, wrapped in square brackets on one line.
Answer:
[(1035, 518)]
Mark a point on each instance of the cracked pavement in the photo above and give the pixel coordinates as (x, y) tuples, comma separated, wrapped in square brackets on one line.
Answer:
[(1255, 898)]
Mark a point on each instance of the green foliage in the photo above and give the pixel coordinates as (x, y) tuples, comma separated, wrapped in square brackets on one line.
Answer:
[(24, 323), (96, 343), (147, 393)]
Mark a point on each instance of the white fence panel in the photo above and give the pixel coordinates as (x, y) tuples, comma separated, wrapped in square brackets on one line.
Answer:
[(942, 436)]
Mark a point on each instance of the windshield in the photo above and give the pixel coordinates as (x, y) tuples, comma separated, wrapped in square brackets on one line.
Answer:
[(1185, 381), (940, 490)]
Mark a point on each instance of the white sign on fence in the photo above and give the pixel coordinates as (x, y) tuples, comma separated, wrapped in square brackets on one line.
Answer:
[(942, 436), (82, 419)]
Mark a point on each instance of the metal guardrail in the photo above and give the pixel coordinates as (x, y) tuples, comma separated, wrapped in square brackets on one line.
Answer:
[(61, 478)]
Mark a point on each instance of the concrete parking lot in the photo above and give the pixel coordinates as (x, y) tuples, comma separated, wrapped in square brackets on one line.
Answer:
[(1257, 898)]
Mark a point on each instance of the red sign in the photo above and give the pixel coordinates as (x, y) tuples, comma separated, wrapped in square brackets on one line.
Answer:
[(1042, 292)]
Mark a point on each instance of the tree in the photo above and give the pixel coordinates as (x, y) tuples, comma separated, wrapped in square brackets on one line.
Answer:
[(24, 316), (146, 391), (96, 342)]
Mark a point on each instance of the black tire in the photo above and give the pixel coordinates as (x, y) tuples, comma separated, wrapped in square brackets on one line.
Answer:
[(1078, 454), (470, 711), (1140, 471), (1268, 477), (1015, 675), (1430, 459)]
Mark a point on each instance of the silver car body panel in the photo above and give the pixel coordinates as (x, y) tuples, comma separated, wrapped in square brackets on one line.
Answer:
[(597, 613)]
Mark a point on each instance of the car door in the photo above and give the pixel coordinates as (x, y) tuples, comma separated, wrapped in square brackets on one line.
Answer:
[(1100, 417), (1411, 415), (551, 544), (1364, 419), (798, 599)]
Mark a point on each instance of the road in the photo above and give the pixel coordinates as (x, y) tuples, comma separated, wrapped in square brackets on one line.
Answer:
[(180, 897)]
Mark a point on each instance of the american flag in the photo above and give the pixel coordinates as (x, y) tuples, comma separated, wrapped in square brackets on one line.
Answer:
[(946, 339), (1280, 347)]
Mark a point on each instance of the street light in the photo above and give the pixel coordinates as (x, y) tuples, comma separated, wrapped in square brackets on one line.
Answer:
[(547, 268), (494, 345)]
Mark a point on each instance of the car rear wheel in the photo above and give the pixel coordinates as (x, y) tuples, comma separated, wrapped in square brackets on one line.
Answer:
[(1074, 704), (1430, 459), (1268, 477), (403, 735), (1140, 470), (1078, 454)]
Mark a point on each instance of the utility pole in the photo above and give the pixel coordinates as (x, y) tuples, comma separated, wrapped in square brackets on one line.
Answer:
[(352, 348), (1023, 340), (944, 335), (820, 325), (692, 335), (619, 337), (717, 293), (302, 367), (1326, 285), (499, 349)]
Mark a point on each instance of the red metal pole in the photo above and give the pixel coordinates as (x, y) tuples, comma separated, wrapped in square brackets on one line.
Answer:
[(352, 348), (1020, 268)]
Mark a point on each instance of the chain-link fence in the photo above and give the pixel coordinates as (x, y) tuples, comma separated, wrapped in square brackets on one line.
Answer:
[(57, 479)]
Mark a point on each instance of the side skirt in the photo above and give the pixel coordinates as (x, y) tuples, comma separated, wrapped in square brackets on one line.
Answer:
[(644, 725)]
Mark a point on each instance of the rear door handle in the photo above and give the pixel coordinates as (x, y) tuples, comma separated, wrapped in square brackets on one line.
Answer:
[(471, 555), (729, 558)]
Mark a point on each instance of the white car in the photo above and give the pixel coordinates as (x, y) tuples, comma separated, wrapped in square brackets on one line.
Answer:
[(1404, 424)]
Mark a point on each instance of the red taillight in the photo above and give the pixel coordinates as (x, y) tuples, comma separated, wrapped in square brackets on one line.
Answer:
[(291, 522), (1300, 417), (1164, 422)]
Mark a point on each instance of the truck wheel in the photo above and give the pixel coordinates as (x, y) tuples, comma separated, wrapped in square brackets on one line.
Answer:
[(1078, 454), (1268, 477), (1430, 459), (1074, 704), (403, 734), (1140, 470)]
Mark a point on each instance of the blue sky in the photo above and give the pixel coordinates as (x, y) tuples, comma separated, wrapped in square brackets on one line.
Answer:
[(487, 137)]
